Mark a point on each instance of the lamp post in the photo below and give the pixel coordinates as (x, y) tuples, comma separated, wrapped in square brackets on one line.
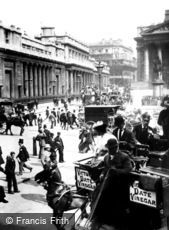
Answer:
[(99, 67)]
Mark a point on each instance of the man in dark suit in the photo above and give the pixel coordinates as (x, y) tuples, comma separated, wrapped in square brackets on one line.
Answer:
[(23, 157), (60, 146), (124, 136), (10, 173), (145, 134), (113, 189)]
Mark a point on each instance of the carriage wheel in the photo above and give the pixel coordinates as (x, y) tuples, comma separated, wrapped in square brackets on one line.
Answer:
[(2, 127)]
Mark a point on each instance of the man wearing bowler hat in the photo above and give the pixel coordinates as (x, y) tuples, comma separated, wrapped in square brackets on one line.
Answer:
[(23, 157), (115, 193)]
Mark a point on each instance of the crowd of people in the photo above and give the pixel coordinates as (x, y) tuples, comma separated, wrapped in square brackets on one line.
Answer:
[(150, 100), (110, 95), (116, 144)]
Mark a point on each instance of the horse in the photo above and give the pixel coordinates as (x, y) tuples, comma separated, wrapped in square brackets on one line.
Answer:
[(60, 197), (31, 116), (16, 121), (9, 121)]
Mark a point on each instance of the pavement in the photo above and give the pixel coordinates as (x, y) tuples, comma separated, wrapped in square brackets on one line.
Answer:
[(32, 197)]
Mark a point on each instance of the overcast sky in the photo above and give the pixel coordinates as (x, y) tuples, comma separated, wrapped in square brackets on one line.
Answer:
[(86, 20)]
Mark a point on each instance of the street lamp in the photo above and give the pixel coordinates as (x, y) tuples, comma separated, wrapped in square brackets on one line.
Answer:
[(99, 67)]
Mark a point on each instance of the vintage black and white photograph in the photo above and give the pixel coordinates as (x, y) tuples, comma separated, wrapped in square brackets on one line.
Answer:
[(84, 115)]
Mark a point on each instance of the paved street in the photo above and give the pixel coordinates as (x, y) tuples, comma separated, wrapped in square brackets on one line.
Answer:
[(31, 199)]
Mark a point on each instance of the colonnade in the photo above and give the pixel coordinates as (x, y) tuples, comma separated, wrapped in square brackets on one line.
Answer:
[(77, 80), (36, 80), (145, 62)]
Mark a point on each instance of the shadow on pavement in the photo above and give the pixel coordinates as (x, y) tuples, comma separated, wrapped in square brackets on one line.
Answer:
[(39, 198), (30, 181)]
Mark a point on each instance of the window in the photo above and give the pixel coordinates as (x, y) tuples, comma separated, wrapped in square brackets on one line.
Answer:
[(7, 36)]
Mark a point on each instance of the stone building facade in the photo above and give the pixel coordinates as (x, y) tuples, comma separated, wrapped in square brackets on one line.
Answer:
[(43, 67), (153, 54), (119, 58)]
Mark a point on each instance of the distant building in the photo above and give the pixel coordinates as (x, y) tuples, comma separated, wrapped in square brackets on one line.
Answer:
[(119, 58), (153, 54), (43, 67)]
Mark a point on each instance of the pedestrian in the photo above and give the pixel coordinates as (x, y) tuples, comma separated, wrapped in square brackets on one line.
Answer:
[(58, 115), (10, 173), (52, 120), (40, 121), (55, 116), (45, 157), (60, 146), (41, 138), (1, 161), (23, 157), (2, 195), (47, 112), (75, 118), (49, 135)]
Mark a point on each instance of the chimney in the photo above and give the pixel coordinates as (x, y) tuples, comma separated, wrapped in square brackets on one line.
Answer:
[(166, 16)]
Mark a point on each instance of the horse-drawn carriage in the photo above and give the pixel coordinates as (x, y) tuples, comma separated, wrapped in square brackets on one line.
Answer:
[(148, 188)]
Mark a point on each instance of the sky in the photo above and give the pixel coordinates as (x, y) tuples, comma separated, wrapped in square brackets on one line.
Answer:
[(88, 21)]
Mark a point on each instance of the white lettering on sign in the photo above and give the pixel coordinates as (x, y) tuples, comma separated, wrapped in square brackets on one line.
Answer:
[(84, 180), (141, 196)]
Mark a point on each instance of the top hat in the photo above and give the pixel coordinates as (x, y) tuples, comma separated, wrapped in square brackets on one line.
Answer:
[(20, 141)]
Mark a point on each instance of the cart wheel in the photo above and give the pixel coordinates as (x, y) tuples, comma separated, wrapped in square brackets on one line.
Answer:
[(2, 127)]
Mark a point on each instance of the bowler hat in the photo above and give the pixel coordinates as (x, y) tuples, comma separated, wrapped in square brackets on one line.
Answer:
[(20, 141), (112, 143), (119, 120)]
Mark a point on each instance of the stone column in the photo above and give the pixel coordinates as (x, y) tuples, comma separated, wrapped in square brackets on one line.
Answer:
[(31, 80), (74, 82), (26, 80), (46, 82), (40, 80), (71, 82), (159, 52), (36, 80), (146, 64)]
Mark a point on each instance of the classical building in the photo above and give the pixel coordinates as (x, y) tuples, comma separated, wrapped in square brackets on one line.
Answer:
[(119, 58), (44, 67), (153, 55)]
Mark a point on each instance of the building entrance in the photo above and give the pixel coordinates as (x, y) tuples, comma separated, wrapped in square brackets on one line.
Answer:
[(8, 84)]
